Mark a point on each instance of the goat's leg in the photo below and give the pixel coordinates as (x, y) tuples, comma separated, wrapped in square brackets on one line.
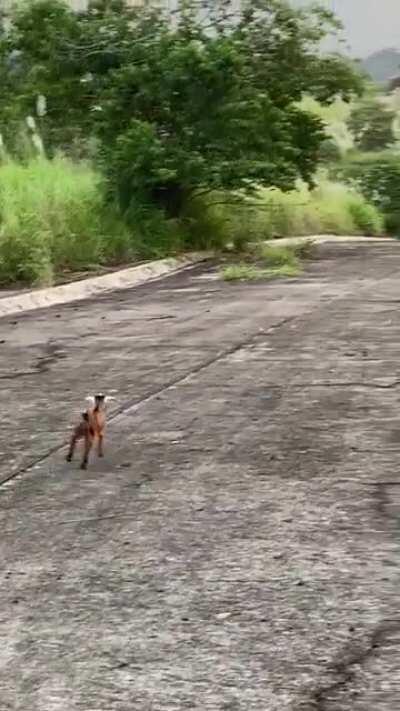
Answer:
[(86, 451), (72, 445), (100, 442)]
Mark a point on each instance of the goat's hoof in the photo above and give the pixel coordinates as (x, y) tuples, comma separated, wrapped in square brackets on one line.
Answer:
[(84, 465), (69, 458)]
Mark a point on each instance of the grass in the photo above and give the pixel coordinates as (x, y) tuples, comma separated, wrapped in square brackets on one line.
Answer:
[(52, 219), (331, 208), (275, 257), (247, 272), (266, 262), (54, 222), (240, 272)]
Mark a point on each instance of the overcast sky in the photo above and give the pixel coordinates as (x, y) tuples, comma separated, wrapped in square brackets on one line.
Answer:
[(370, 24)]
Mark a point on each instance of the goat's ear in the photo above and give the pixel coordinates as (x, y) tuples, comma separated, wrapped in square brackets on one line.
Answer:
[(109, 398), (90, 399)]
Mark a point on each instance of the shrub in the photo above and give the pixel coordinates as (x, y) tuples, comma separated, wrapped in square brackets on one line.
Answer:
[(155, 236), (365, 217), (247, 223), (205, 223), (377, 177)]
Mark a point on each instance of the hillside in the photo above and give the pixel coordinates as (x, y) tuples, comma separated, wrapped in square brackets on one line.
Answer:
[(383, 65)]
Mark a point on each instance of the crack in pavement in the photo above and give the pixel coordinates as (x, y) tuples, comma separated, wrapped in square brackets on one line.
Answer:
[(382, 500), (134, 404), (72, 521), (346, 669), (356, 656), (43, 363), (325, 384), (354, 384)]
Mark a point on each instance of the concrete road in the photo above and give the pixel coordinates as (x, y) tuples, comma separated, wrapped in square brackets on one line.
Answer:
[(238, 547)]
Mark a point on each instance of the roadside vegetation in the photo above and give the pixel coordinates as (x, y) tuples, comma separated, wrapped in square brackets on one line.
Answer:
[(264, 261), (362, 151), (329, 208), (53, 220), (126, 137)]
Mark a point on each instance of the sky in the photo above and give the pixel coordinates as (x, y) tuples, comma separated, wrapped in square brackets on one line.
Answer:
[(370, 24)]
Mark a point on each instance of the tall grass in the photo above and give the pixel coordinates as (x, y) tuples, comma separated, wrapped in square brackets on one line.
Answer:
[(331, 208), (52, 218)]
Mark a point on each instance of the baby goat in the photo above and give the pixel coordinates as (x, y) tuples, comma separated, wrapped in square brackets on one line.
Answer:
[(91, 427)]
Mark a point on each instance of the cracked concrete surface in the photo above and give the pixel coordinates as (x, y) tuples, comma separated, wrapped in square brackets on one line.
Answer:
[(238, 547)]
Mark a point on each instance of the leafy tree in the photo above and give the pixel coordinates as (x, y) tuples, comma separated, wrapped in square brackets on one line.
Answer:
[(371, 124), (203, 101)]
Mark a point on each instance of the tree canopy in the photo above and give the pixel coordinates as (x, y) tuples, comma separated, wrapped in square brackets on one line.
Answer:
[(201, 100)]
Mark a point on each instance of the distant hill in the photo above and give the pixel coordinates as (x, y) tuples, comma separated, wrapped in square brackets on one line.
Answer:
[(383, 65)]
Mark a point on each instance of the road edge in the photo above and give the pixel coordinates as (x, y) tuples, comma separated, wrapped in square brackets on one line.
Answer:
[(134, 276), (97, 286)]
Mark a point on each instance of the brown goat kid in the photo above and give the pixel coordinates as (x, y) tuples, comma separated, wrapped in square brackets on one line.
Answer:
[(90, 428)]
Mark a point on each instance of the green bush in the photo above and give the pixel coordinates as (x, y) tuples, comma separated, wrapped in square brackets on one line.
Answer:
[(377, 178), (247, 223), (365, 217), (155, 236), (205, 224)]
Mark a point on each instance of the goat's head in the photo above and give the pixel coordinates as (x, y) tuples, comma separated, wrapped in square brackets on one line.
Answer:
[(99, 400)]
